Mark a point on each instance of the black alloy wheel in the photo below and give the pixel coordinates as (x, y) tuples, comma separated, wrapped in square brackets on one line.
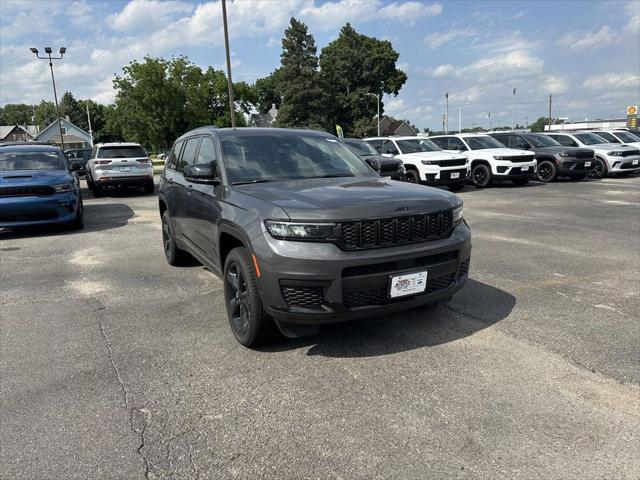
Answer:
[(599, 169), (547, 172), (413, 176), (481, 175), (175, 256), (237, 298)]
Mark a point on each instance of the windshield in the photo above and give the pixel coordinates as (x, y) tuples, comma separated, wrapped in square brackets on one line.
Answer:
[(360, 147), (627, 137), (31, 161), (482, 143), (417, 145), (121, 152), (541, 141), (608, 137), (590, 138), (288, 155)]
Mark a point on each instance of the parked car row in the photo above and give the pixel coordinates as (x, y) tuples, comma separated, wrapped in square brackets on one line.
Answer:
[(484, 159)]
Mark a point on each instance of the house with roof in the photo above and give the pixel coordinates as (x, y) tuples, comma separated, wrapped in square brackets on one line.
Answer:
[(73, 136), (15, 133), (263, 119), (390, 126)]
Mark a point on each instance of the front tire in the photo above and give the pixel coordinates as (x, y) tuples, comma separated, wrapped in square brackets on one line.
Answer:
[(599, 170), (175, 256), (249, 322), (547, 171), (481, 175), (413, 176)]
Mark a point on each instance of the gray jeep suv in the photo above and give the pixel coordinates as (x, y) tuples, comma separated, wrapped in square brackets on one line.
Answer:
[(303, 232)]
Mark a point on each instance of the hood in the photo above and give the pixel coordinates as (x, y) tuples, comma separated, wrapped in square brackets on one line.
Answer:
[(610, 146), (441, 155), (560, 149), (503, 152), (17, 178), (340, 199)]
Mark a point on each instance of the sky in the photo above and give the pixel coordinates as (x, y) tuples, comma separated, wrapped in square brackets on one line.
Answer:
[(585, 53)]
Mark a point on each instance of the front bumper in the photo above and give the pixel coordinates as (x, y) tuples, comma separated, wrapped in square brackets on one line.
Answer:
[(317, 283), (505, 169), (574, 167), (435, 175), (31, 210), (623, 164)]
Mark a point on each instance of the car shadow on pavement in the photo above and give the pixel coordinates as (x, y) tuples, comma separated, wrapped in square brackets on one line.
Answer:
[(502, 185), (97, 217), (476, 307)]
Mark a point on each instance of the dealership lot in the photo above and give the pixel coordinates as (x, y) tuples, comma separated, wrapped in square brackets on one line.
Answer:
[(115, 365)]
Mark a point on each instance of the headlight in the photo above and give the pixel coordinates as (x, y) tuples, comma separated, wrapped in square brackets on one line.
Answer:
[(300, 231), (565, 154), (457, 215), (500, 158), (64, 187), (429, 162), (616, 153)]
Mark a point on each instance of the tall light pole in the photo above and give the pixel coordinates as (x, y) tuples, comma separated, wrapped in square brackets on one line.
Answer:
[(48, 51), (446, 99), (226, 47), (513, 111), (378, 103), (459, 119)]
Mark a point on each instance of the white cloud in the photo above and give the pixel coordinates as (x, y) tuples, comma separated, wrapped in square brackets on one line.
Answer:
[(577, 40), (553, 84), (409, 11), (512, 65), (147, 14), (509, 43), (633, 10), (442, 71), (618, 81), (437, 39)]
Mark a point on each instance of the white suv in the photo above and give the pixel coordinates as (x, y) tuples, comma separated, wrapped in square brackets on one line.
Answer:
[(113, 165), (424, 161), (610, 157), (618, 136), (490, 160)]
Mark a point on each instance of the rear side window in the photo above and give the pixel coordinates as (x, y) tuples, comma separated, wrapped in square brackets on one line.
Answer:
[(441, 142), (503, 139), (608, 137), (564, 140), (189, 153), (516, 141), (455, 144), (172, 161), (389, 147), (377, 144), (122, 152)]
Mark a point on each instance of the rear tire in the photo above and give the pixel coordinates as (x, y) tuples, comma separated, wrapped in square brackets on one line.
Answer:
[(481, 175), (413, 176), (547, 171), (175, 256), (249, 322)]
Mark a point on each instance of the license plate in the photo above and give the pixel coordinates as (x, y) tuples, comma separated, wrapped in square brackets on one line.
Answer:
[(125, 169), (634, 162), (587, 164), (408, 284), (525, 168), (455, 175)]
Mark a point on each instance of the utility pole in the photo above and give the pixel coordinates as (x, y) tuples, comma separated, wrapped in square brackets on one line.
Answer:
[(459, 119), (48, 51), (443, 122), (549, 112), (446, 98), (513, 111), (226, 47), (89, 121), (378, 102)]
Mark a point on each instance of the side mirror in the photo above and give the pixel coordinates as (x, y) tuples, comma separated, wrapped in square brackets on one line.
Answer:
[(373, 163), (206, 173), (76, 166)]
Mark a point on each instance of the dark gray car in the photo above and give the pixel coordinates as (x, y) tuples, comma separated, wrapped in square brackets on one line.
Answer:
[(303, 232), (385, 166), (554, 160)]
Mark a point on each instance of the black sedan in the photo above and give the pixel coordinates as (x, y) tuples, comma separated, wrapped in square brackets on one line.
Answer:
[(385, 166)]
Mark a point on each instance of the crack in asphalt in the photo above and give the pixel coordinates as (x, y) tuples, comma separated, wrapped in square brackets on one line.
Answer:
[(127, 397)]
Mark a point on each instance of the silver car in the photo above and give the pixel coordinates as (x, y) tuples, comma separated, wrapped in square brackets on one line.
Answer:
[(114, 165)]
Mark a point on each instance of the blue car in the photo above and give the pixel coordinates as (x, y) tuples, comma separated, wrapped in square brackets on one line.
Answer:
[(38, 187)]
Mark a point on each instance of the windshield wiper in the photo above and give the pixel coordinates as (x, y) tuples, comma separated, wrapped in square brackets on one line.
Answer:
[(335, 175), (247, 182)]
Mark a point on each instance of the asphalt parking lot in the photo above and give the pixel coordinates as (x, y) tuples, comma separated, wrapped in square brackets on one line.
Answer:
[(115, 365)]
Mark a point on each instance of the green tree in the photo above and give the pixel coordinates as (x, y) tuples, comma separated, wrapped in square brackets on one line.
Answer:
[(538, 125), (353, 66), (302, 94), (45, 114), (16, 114), (267, 92), (69, 107)]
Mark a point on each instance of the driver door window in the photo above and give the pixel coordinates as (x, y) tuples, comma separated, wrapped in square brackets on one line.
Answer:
[(565, 141), (188, 154), (389, 148), (456, 144)]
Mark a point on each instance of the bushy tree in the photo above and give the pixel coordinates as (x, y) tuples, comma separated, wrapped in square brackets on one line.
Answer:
[(538, 125), (45, 114), (353, 66), (16, 114), (302, 94), (267, 92)]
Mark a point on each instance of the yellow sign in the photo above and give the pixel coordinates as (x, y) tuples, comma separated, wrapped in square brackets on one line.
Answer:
[(632, 109)]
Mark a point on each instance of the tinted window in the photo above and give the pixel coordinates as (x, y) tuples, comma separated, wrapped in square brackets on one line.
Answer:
[(32, 161), (122, 152), (503, 139), (482, 143), (608, 137), (360, 147), (539, 140), (590, 138), (281, 156), (627, 137), (565, 140), (207, 152), (188, 156), (417, 145), (172, 160), (388, 147), (441, 142), (516, 141), (455, 143), (376, 144)]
